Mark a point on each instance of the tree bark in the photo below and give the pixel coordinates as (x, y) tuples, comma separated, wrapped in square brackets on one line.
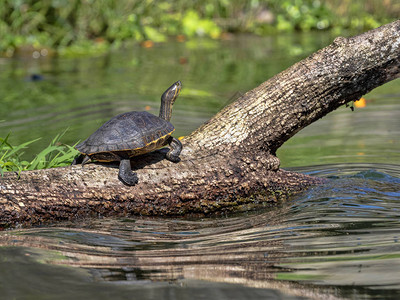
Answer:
[(229, 162)]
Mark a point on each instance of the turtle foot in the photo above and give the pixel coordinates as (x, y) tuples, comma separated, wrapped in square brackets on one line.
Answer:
[(129, 179), (173, 158), (125, 173), (175, 150)]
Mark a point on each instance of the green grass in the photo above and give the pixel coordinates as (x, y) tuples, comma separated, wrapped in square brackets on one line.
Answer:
[(54, 155)]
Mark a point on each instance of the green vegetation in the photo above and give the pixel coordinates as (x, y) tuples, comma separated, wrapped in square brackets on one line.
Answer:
[(75, 26), (55, 155)]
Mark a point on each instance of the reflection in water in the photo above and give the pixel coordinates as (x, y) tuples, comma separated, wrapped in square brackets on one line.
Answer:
[(341, 238)]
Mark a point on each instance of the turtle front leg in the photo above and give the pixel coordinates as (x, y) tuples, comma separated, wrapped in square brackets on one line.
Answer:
[(125, 173), (175, 149)]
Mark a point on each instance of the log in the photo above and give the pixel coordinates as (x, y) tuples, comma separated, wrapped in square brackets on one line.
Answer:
[(229, 163)]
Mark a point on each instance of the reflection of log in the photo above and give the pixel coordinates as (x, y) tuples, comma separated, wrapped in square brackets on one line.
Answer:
[(248, 251), (227, 159)]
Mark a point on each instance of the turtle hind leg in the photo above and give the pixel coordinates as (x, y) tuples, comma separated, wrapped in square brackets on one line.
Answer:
[(85, 160), (125, 173), (175, 150), (81, 159), (77, 160)]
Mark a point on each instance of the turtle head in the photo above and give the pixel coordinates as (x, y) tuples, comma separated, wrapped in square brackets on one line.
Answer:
[(168, 99), (172, 92)]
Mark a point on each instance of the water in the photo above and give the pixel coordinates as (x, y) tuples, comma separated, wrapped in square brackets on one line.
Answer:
[(338, 240)]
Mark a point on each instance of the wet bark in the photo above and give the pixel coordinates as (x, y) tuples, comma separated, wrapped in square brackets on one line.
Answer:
[(229, 162)]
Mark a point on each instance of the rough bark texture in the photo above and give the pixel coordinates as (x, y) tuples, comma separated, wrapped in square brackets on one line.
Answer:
[(228, 163)]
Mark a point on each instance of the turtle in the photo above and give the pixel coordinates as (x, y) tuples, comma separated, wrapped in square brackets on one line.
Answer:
[(131, 134)]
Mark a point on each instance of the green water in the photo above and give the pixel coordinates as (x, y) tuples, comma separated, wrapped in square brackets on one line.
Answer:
[(340, 239)]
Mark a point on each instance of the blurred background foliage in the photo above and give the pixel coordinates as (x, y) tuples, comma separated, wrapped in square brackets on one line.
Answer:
[(94, 26)]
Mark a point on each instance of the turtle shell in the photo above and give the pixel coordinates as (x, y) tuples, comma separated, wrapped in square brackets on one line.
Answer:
[(131, 133)]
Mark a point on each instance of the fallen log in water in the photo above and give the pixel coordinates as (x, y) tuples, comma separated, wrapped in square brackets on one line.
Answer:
[(227, 163)]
